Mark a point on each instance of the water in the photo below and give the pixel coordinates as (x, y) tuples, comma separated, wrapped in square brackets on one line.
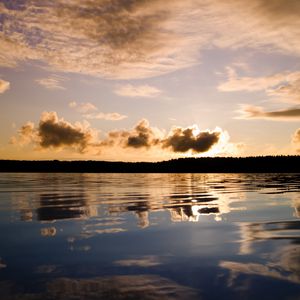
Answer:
[(149, 236)]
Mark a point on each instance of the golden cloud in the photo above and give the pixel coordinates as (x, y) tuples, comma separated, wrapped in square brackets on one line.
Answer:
[(4, 86)]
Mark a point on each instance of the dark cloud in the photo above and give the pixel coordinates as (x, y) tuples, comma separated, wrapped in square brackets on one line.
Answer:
[(183, 140), (59, 133), (257, 112), (141, 136), (55, 133)]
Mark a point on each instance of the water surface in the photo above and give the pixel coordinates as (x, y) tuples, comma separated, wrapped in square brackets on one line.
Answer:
[(149, 236)]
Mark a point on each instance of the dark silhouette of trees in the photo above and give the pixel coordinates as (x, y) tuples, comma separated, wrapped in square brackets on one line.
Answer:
[(258, 164)]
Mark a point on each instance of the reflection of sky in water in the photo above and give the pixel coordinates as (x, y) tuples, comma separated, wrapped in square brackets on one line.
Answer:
[(173, 236)]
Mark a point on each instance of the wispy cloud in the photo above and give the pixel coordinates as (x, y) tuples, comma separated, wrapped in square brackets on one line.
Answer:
[(284, 86), (90, 111), (138, 91), (135, 39), (257, 112), (83, 107), (106, 116), (4, 86), (53, 82)]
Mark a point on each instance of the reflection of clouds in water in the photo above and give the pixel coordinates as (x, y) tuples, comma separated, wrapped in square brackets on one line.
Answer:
[(46, 269), (54, 206), (120, 287), (296, 204), (237, 268), (147, 287), (49, 231), (143, 219), (252, 233), (2, 264), (144, 261), (187, 197), (93, 232), (80, 248), (282, 241)]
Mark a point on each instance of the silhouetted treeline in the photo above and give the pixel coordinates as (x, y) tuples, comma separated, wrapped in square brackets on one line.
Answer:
[(259, 164)]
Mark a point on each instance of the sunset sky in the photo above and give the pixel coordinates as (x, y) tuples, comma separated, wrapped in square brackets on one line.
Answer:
[(148, 80)]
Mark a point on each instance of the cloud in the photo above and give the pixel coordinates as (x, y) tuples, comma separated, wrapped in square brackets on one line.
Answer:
[(183, 140), (257, 112), (52, 82), (106, 116), (142, 91), (4, 86), (55, 133), (90, 111), (26, 134), (296, 140), (283, 86), (141, 136), (138, 39), (83, 107)]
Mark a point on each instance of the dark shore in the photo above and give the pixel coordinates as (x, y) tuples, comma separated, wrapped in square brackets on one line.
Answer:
[(259, 164)]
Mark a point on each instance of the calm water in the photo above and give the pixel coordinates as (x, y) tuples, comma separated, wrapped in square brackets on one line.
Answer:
[(149, 236)]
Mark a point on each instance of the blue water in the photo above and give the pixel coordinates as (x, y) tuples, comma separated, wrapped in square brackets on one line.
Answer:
[(149, 236)]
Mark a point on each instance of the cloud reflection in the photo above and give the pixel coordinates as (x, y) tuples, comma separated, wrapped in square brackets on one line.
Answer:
[(281, 243), (148, 287), (182, 197)]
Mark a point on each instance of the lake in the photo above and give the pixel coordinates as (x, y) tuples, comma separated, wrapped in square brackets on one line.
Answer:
[(149, 236)]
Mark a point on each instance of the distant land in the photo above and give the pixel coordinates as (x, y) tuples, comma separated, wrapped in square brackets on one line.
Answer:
[(258, 164)]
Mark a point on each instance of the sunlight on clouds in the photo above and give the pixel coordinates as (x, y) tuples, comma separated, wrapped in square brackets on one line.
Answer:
[(257, 112), (4, 86), (143, 91), (280, 86), (53, 133), (83, 107), (90, 111), (53, 82), (283, 87), (106, 116), (138, 39)]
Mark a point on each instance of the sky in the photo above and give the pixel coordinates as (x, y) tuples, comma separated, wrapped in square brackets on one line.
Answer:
[(149, 80)]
